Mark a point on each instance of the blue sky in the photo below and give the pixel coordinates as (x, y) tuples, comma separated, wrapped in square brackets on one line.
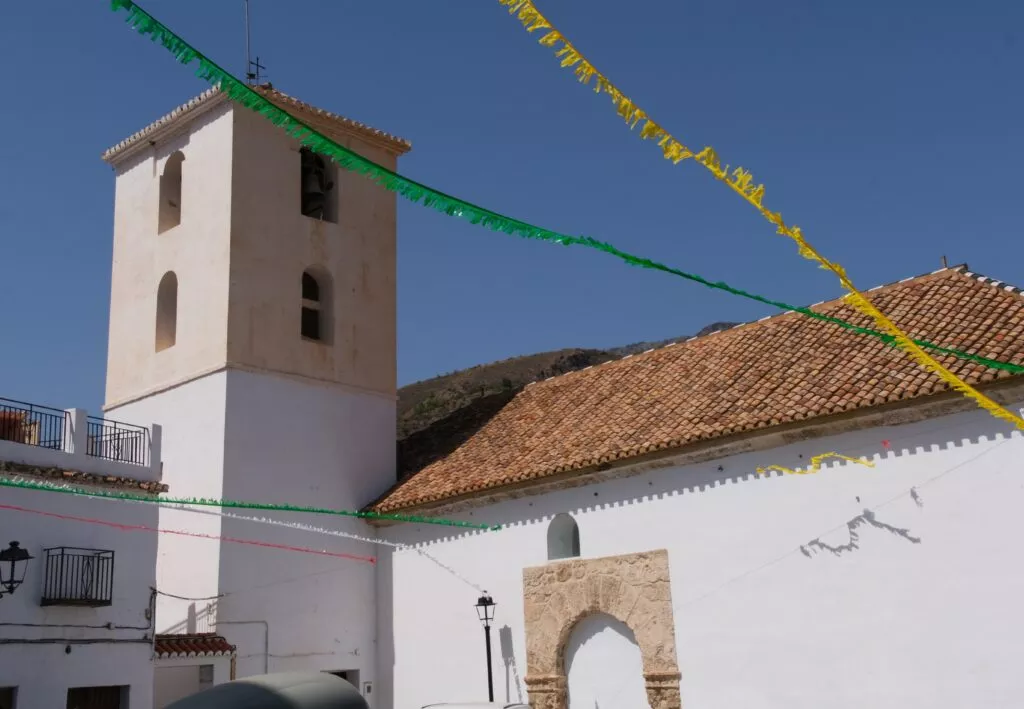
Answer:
[(890, 131)]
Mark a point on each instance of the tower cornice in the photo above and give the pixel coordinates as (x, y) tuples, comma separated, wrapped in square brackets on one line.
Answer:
[(164, 126)]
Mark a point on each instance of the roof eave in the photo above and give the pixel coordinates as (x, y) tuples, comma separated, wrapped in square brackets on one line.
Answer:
[(164, 126), (1005, 391), (191, 655), (382, 139), (214, 97)]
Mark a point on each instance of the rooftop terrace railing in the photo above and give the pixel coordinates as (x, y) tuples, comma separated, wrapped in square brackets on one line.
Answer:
[(114, 440), (74, 440), (33, 425)]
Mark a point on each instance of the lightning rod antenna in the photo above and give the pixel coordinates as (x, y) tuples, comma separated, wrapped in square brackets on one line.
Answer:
[(248, 56), (252, 68)]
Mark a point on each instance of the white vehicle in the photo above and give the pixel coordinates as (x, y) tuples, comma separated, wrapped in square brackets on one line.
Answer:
[(476, 705)]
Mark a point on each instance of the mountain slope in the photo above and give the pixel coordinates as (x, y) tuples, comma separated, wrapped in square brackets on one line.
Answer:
[(424, 403)]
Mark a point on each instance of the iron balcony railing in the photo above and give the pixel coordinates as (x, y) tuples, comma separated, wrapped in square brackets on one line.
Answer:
[(33, 425), (78, 577), (121, 442)]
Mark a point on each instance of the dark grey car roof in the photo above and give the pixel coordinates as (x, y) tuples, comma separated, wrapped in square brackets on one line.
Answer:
[(476, 705), (284, 690)]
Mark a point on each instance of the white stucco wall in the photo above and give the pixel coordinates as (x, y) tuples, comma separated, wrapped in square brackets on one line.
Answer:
[(762, 617), (198, 250), (33, 639), (276, 439), (272, 243), (179, 677), (192, 417), (288, 441), (173, 683)]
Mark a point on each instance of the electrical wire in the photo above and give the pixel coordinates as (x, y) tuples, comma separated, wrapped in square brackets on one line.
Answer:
[(144, 528)]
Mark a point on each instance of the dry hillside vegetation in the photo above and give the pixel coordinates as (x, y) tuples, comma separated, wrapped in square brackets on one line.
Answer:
[(425, 403)]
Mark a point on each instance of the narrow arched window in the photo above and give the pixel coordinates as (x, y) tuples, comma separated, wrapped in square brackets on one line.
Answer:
[(166, 311), (316, 306), (563, 537), (170, 193)]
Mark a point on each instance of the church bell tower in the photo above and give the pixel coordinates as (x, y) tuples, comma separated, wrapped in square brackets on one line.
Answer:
[(252, 315)]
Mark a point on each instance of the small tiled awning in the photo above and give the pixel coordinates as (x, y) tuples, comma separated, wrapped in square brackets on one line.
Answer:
[(201, 645)]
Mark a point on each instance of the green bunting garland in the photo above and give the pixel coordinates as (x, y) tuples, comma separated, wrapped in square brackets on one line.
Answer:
[(235, 504), (419, 193)]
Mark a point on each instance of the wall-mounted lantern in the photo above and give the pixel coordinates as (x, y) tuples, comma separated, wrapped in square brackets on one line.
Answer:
[(13, 563)]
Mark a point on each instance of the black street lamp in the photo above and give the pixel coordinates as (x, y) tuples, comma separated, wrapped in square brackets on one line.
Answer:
[(13, 563), (485, 609)]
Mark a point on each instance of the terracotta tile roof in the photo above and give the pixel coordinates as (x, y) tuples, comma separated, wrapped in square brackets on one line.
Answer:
[(777, 370), (332, 125), (200, 645), (74, 477)]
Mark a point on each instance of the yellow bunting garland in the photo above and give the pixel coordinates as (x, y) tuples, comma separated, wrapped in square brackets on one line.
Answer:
[(742, 182), (815, 464), (532, 20)]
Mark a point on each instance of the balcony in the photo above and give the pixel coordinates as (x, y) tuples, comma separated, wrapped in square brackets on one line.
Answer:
[(74, 440), (32, 424), (78, 577)]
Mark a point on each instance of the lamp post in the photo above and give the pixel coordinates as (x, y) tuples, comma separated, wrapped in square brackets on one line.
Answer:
[(485, 610), (13, 562)]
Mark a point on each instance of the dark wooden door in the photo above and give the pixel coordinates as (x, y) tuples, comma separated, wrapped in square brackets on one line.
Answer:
[(94, 697)]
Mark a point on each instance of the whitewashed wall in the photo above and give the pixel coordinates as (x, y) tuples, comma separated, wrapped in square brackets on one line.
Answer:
[(289, 441), (192, 416), (924, 617), (198, 250), (33, 639), (274, 439), (173, 683), (179, 677)]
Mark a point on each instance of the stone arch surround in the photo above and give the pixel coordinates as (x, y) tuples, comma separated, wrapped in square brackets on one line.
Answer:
[(634, 588)]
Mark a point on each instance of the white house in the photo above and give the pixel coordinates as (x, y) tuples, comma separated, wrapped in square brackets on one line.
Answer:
[(641, 560), (76, 620)]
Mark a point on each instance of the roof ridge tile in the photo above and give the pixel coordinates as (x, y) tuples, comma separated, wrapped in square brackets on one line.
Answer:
[(209, 95), (763, 319), (402, 143)]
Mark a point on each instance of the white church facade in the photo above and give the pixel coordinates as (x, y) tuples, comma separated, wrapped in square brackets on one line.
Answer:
[(637, 533), (642, 560)]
